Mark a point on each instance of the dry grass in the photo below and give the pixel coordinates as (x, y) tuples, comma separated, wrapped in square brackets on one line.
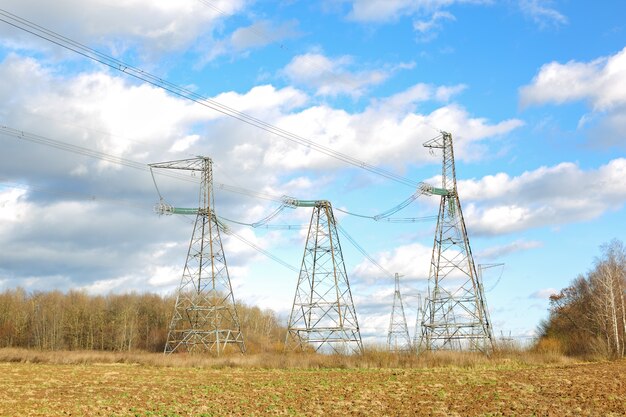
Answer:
[(372, 358)]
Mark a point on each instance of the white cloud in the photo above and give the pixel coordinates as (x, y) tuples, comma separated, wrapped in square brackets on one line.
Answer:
[(429, 15), (496, 252), (601, 82), (257, 35), (411, 261), (184, 143), (381, 136), (388, 10), (429, 29), (547, 196), (11, 205), (154, 26), (409, 98), (540, 12), (331, 77), (262, 33)]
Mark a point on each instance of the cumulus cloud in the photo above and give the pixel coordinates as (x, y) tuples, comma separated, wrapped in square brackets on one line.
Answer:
[(380, 135), (155, 26), (547, 196), (257, 35), (601, 83), (411, 261), (331, 77)]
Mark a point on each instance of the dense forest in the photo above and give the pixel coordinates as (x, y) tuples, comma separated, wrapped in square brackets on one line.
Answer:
[(588, 318), (79, 321)]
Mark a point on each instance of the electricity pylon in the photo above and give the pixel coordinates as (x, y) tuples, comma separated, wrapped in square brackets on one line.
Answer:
[(323, 315), (398, 339), (455, 314), (205, 317), (418, 321)]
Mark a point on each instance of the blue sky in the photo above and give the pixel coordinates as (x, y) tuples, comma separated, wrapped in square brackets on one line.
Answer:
[(534, 93)]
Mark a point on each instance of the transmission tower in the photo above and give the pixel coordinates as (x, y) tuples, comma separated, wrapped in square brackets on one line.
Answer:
[(398, 339), (323, 315), (455, 314), (418, 321), (205, 317)]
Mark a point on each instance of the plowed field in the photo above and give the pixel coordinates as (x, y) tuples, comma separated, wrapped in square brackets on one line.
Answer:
[(591, 389)]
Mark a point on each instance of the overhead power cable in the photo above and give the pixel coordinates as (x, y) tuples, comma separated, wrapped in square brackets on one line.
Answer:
[(261, 250), (103, 156), (69, 44), (73, 195), (409, 219), (385, 215), (363, 252)]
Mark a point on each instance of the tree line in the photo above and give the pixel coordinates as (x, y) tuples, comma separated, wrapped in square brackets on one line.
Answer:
[(589, 316), (116, 322)]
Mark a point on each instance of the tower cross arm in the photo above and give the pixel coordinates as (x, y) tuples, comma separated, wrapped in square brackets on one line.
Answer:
[(193, 164), (438, 142), (292, 202), (428, 189), (167, 209)]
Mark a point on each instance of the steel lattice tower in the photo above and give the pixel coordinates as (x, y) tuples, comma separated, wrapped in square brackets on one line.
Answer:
[(417, 334), (455, 314), (323, 315), (398, 339), (205, 317)]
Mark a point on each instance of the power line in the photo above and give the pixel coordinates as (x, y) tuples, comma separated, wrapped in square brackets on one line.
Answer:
[(103, 156), (76, 195), (363, 252), (260, 250), (69, 44), (68, 147)]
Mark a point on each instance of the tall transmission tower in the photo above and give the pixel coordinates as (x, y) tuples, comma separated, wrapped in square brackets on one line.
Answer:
[(205, 317), (323, 315), (398, 339), (455, 314)]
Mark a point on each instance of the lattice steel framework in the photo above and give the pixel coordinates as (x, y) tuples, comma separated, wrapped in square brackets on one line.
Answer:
[(398, 339), (205, 317), (455, 314), (323, 316), (417, 334)]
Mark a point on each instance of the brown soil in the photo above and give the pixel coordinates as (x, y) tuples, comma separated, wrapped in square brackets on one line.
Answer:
[(586, 389)]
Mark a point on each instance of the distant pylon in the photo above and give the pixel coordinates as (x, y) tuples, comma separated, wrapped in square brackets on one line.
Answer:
[(417, 334), (205, 318), (455, 314), (398, 339), (323, 316)]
